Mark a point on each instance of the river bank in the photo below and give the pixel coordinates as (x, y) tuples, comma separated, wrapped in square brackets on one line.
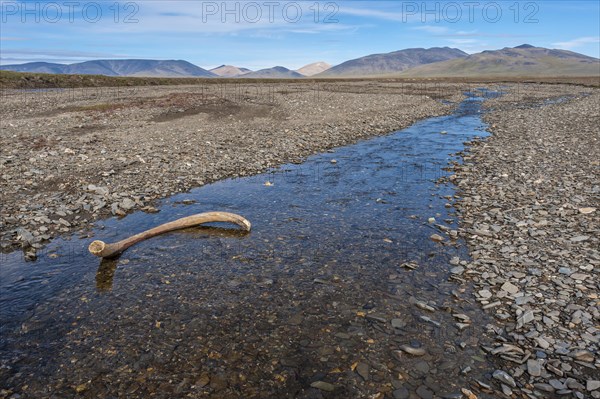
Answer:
[(530, 210)]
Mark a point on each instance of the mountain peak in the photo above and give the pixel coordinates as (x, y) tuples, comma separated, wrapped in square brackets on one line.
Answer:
[(276, 72), (229, 71), (394, 62), (534, 61), (313, 68)]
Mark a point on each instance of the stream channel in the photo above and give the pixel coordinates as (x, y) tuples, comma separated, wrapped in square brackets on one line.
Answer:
[(337, 275)]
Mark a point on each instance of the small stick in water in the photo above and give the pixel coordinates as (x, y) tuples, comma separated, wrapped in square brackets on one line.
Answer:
[(104, 250)]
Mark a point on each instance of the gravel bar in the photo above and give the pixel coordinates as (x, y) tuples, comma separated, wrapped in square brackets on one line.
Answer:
[(530, 208)]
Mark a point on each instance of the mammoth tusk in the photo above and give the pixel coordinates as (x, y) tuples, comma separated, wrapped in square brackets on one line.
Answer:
[(104, 250)]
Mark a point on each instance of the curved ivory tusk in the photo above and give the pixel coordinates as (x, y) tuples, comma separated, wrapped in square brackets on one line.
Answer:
[(100, 248)]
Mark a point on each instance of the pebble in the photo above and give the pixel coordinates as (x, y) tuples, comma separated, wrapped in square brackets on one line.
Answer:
[(584, 356), (401, 393), (398, 323), (424, 392), (506, 390), (543, 387), (525, 318), (436, 238), (510, 288), (534, 368), (504, 378), (413, 351), (323, 386), (422, 366), (485, 294), (592, 385), (363, 370)]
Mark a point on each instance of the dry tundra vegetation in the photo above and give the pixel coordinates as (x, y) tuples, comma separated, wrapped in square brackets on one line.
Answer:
[(528, 196)]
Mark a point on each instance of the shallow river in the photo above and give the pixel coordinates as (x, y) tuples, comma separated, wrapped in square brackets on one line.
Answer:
[(318, 293)]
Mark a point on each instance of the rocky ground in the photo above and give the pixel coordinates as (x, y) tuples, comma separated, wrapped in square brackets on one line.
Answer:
[(530, 210), (529, 195), (70, 157)]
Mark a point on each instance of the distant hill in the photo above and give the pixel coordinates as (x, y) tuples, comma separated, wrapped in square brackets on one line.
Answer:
[(314, 68), (277, 72), (524, 60), (229, 71), (38, 67), (396, 61), (145, 68)]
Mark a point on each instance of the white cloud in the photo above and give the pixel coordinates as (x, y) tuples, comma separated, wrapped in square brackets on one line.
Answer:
[(469, 46), (363, 12), (579, 42), (13, 39), (432, 29), (463, 41)]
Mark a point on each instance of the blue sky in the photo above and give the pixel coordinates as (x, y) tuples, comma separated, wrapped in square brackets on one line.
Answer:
[(262, 34)]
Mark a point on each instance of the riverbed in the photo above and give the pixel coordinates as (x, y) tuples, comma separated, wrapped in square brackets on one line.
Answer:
[(338, 291)]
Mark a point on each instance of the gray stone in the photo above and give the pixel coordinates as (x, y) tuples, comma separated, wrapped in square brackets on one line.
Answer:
[(565, 270), (525, 318), (424, 392), (398, 323), (363, 370), (422, 367), (543, 387), (323, 386), (436, 238), (534, 368), (127, 204), (580, 238), (413, 351), (510, 288), (584, 356), (457, 270), (504, 378), (592, 385), (401, 393)]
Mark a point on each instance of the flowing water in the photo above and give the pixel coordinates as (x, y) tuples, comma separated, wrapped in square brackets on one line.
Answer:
[(318, 291)]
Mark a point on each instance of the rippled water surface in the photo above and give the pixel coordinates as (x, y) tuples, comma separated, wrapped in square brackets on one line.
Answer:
[(318, 291)]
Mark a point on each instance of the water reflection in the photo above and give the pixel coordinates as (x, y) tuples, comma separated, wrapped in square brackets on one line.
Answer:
[(108, 266)]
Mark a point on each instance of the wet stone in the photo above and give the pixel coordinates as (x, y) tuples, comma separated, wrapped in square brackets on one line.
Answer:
[(323, 386), (413, 351), (422, 367), (363, 370), (401, 393), (424, 392), (398, 323), (436, 238)]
